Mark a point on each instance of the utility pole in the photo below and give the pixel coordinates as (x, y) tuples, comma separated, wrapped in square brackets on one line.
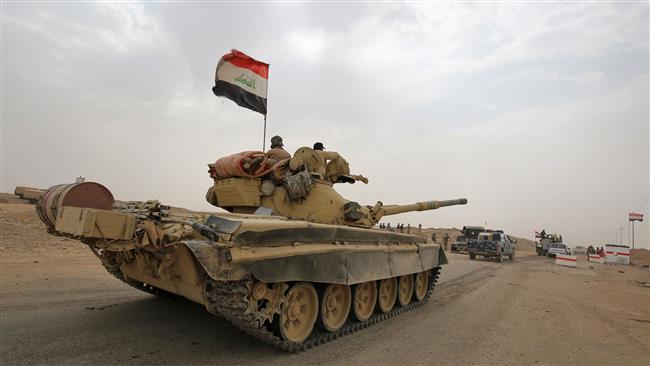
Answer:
[(621, 229), (629, 231)]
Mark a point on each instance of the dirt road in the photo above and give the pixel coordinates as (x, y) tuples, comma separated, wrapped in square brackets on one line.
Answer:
[(59, 306)]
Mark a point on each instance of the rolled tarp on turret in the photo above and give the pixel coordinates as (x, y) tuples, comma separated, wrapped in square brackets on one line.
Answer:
[(242, 79)]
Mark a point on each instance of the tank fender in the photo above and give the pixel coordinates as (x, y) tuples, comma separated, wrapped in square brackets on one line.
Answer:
[(214, 259), (442, 257), (335, 264)]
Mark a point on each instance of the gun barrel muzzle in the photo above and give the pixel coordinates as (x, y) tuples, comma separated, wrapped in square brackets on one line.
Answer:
[(459, 201)]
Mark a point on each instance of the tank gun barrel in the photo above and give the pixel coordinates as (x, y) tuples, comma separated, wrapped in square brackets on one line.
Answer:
[(421, 206)]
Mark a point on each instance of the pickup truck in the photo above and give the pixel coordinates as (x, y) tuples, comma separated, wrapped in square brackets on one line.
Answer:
[(460, 245), (557, 248), (495, 244), (470, 233)]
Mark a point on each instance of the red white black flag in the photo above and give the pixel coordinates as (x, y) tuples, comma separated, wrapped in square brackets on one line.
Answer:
[(635, 216), (242, 79)]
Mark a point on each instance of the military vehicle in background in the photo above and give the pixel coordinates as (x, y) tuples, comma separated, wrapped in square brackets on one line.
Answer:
[(545, 241), (470, 233), (557, 248), (492, 244), (291, 262)]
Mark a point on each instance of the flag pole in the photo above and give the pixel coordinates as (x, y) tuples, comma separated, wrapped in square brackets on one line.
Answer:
[(264, 138)]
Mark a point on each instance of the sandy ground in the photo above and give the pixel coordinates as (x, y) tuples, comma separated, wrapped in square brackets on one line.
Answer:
[(59, 306)]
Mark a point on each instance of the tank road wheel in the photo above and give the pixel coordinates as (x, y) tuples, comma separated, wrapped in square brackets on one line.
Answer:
[(365, 300), (421, 285), (335, 303), (387, 294), (405, 289), (298, 314)]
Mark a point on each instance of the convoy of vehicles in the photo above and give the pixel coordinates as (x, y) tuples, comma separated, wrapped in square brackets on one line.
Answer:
[(493, 245)]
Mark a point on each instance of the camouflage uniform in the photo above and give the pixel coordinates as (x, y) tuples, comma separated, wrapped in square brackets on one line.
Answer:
[(337, 170)]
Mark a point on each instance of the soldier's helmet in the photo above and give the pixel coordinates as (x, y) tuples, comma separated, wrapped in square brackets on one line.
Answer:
[(319, 146), (276, 141)]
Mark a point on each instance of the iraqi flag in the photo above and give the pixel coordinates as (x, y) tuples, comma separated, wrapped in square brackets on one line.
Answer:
[(635, 216), (242, 79)]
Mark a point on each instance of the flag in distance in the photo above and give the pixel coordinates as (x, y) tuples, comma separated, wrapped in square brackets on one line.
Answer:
[(635, 216), (242, 79)]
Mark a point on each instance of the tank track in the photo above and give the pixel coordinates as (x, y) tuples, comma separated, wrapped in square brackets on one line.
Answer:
[(230, 300)]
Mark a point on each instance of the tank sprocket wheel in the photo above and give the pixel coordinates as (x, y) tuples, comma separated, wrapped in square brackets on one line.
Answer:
[(298, 313), (335, 300), (365, 300), (405, 289), (387, 294), (421, 285)]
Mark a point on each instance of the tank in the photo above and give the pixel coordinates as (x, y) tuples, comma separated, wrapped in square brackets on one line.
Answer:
[(290, 261)]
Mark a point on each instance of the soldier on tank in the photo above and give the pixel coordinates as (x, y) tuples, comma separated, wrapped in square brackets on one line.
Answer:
[(433, 237), (327, 155), (277, 151), (335, 167)]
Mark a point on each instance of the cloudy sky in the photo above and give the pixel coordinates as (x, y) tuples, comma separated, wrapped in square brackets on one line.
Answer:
[(536, 112)]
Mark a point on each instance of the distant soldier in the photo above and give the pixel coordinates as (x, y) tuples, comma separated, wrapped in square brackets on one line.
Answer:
[(277, 151), (408, 228), (419, 228), (445, 239), (433, 237), (388, 226)]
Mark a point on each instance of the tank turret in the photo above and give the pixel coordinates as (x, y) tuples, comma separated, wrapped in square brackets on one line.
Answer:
[(302, 188)]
